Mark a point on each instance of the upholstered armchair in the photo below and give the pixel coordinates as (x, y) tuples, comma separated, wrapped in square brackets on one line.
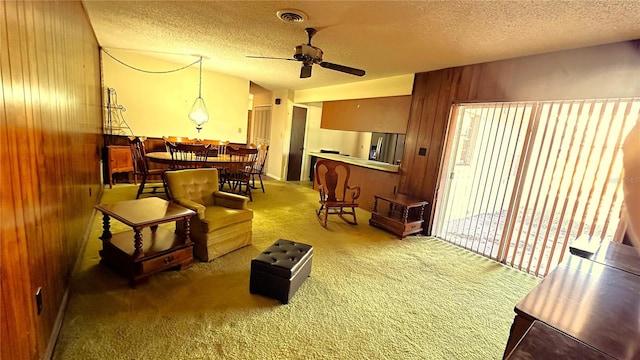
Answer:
[(223, 222)]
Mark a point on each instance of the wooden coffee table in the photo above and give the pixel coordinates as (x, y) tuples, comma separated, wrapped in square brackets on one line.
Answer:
[(402, 216), (146, 249), (596, 304)]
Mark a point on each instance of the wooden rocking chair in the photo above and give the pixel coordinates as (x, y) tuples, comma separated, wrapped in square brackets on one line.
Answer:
[(336, 195)]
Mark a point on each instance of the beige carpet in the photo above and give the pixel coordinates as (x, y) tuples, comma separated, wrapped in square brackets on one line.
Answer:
[(370, 296)]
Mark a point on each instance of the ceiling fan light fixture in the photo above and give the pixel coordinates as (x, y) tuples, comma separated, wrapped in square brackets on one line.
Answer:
[(292, 15)]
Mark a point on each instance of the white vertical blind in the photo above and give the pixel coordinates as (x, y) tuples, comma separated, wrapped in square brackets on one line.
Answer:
[(261, 129), (525, 179)]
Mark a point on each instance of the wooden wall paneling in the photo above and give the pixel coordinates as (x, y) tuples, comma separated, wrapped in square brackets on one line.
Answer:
[(36, 227), (447, 92), (411, 139), (475, 74), (16, 300), (464, 82), (51, 119), (417, 183)]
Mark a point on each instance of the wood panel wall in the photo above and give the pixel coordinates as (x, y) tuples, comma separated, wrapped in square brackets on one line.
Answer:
[(607, 71), (50, 179)]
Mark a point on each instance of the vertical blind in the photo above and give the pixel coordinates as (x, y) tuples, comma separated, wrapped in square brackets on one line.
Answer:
[(525, 179), (261, 124)]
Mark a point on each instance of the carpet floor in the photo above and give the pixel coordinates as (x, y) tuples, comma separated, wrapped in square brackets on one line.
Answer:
[(369, 296)]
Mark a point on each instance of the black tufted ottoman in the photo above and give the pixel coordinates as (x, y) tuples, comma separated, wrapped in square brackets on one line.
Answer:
[(279, 271)]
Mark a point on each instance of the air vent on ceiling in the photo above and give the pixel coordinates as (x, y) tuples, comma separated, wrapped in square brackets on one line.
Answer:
[(292, 15)]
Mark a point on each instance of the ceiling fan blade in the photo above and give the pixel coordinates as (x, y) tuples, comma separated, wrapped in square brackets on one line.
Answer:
[(305, 71), (268, 57), (344, 69)]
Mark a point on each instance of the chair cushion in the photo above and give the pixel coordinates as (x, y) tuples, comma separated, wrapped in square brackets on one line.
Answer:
[(194, 184), (217, 217)]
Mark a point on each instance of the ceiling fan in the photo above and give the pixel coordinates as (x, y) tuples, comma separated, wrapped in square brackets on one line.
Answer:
[(310, 55)]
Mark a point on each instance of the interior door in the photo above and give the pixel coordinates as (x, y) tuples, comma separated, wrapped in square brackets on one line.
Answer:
[(296, 146)]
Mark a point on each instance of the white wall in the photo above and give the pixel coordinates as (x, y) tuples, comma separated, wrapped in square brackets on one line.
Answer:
[(157, 104)]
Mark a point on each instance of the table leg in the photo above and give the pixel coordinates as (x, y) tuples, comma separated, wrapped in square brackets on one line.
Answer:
[(518, 328), (137, 243), (187, 230), (106, 227), (405, 214)]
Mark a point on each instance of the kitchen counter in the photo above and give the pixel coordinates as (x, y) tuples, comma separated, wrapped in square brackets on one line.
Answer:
[(369, 164), (373, 177)]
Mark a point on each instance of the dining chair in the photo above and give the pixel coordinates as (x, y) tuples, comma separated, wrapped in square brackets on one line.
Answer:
[(214, 149), (258, 168), (188, 156), (179, 139), (141, 167), (336, 195), (237, 175), (222, 147)]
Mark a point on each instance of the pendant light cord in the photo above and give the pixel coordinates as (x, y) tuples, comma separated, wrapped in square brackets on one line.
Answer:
[(200, 82), (149, 71)]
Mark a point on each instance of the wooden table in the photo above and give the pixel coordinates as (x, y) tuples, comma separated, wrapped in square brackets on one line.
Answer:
[(401, 214), (147, 249), (163, 157), (543, 342), (597, 304), (619, 256)]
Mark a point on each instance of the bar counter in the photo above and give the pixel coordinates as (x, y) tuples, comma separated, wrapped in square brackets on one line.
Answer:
[(373, 177), (370, 164)]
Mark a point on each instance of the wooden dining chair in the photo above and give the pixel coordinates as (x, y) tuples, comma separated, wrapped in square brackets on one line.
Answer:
[(336, 195), (222, 147), (188, 156), (141, 167), (179, 139), (258, 168), (214, 148), (237, 175)]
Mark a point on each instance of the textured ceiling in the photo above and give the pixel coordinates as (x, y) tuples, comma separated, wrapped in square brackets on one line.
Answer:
[(385, 38)]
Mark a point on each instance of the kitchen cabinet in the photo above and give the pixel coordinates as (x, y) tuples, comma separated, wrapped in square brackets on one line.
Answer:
[(384, 114)]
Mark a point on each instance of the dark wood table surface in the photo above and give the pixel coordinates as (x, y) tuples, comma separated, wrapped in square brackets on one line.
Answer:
[(145, 212), (594, 303), (163, 157), (146, 249), (543, 342), (619, 256)]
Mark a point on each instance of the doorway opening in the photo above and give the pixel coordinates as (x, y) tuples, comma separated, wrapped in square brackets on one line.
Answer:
[(296, 145)]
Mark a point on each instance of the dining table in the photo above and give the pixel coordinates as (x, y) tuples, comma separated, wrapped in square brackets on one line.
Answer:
[(164, 157)]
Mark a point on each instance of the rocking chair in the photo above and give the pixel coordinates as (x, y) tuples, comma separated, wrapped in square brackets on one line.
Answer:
[(336, 195)]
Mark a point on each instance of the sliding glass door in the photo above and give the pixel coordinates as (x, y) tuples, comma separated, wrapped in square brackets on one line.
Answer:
[(522, 180)]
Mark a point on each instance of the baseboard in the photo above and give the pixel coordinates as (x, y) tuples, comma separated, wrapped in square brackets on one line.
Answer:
[(53, 339)]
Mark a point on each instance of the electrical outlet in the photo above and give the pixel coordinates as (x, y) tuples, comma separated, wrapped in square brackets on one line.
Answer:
[(39, 300)]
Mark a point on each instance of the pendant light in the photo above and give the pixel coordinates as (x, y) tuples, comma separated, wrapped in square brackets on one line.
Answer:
[(198, 113)]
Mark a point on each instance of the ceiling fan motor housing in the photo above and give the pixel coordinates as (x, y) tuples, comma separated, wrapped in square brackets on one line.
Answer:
[(306, 52)]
